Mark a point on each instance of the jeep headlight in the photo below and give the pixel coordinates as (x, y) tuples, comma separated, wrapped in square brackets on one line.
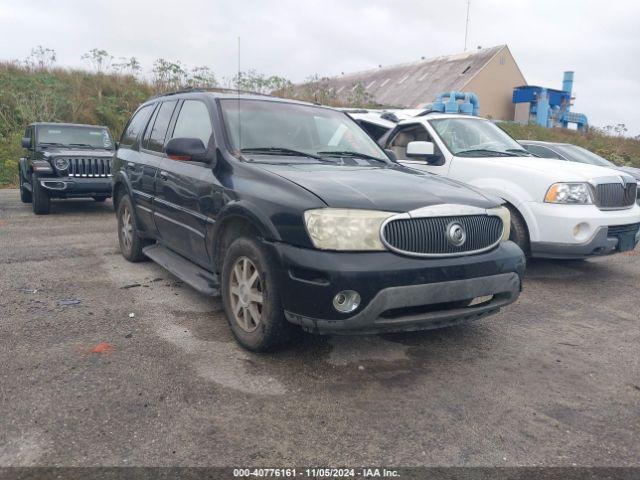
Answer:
[(344, 229), (505, 216), (61, 163), (572, 193)]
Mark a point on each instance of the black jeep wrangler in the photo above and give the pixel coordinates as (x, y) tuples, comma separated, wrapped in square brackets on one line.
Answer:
[(299, 218), (65, 160)]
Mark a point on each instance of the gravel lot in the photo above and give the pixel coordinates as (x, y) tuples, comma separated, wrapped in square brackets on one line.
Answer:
[(552, 380)]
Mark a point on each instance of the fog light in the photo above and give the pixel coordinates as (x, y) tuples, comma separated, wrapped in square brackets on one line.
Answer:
[(581, 232), (346, 301)]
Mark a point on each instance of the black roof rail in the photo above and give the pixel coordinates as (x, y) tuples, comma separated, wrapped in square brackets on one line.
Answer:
[(209, 89), (427, 112), (392, 117)]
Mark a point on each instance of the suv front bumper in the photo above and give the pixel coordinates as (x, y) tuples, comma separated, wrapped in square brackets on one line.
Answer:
[(66, 187), (397, 293)]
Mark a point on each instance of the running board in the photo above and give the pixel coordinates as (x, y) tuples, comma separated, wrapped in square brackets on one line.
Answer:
[(191, 274)]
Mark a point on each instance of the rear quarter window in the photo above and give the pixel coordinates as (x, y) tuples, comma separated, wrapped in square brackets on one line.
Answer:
[(135, 125)]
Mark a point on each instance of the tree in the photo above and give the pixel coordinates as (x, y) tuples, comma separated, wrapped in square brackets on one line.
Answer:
[(201, 77), (253, 81), (40, 58), (129, 65), (99, 59), (168, 75)]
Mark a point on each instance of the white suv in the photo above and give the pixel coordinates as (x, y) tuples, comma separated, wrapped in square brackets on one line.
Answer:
[(558, 209)]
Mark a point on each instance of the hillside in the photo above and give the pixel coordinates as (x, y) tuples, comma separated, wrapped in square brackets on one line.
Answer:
[(30, 94)]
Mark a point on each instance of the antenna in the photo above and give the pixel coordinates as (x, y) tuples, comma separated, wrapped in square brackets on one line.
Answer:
[(239, 107), (466, 27)]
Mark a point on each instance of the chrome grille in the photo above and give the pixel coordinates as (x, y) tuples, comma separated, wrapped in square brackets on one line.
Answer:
[(428, 235), (89, 167), (616, 195)]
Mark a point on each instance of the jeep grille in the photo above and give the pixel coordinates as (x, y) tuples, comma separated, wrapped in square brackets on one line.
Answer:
[(89, 167)]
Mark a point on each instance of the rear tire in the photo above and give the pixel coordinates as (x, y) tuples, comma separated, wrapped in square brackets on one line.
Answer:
[(519, 231), (41, 202), (251, 296), (25, 195), (130, 241)]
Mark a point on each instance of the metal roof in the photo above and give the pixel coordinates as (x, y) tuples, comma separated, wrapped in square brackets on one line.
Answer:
[(416, 84)]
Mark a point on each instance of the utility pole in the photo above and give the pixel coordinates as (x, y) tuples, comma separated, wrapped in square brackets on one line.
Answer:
[(466, 28)]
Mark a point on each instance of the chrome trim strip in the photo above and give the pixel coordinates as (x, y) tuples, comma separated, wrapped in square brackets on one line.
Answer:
[(180, 224), (442, 210)]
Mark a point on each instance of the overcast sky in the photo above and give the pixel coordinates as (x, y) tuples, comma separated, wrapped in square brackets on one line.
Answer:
[(599, 40)]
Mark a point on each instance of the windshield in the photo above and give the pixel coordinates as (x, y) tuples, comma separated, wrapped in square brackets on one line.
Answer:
[(68, 136), (475, 137), (582, 155), (292, 130)]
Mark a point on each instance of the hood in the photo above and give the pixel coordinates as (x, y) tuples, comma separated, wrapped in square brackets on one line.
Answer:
[(633, 171), (559, 170), (394, 188), (74, 152)]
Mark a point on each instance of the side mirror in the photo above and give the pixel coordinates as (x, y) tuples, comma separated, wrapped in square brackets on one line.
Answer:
[(420, 149), (424, 151), (186, 150), (26, 142)]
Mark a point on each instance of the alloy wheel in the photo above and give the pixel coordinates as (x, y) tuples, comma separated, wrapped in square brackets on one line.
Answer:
[(127, 228), (246, 294)]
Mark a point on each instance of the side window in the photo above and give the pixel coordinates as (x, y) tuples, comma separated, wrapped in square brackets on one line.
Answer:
[(135, 125), (193, 122), (413, 133), (158, 131)]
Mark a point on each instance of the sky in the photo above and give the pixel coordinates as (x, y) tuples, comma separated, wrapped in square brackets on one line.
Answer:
[(598, 40)]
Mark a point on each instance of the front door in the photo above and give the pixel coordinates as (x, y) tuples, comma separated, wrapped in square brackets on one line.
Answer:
[(185, 189)]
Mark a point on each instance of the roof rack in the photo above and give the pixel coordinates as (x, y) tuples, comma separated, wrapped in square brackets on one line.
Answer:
[(427, 112), (209, 89)]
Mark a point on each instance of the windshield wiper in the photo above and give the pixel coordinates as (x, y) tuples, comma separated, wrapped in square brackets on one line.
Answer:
[(82, 145), (347, 153), (279, 151), (49, 144), (484, 150)]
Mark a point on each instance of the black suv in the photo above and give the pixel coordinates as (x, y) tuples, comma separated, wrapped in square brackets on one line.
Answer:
[(65, 160), (298, 217)]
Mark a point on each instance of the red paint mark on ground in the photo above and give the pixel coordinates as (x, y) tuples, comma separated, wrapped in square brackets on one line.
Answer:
[(3, 223), (102, 347)]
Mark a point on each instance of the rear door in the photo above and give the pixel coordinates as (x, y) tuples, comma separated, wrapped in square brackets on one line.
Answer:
[(185, 189), (139, 168)]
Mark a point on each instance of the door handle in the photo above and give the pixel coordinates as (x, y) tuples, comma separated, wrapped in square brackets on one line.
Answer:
[(164, 175)]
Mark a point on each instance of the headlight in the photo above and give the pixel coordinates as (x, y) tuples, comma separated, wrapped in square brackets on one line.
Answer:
[(61, 163), (576, 193), (342, 229), (505, 215)]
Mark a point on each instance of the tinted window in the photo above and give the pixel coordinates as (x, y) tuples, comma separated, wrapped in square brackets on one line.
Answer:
[(160, 125), (542, 151), (135, 125), (193, 122)]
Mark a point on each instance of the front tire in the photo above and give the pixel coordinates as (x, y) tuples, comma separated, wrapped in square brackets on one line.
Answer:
[(25, 195), (130, 241), (41, 203), (519, 231), (251, 296)]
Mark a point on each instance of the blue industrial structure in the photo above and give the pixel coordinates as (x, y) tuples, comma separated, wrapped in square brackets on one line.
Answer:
[(457, 102), (549, 107)]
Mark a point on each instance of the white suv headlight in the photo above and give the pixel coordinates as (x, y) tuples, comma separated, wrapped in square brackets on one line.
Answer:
[(344, 229), (573, 193)]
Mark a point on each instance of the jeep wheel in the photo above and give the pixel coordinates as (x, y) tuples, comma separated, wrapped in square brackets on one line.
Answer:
[(130, 242), (41, 202), (519, 232), (25, 195), (251, 297)]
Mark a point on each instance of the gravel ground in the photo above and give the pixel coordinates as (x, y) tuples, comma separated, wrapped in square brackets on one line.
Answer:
[(104, 362)]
